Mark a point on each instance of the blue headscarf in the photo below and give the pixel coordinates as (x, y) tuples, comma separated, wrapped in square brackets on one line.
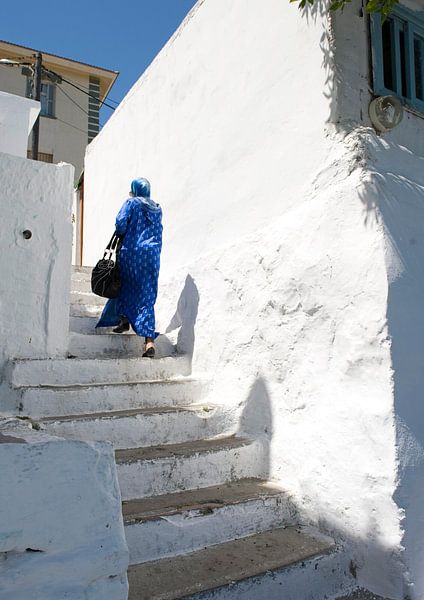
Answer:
[(140, 188)]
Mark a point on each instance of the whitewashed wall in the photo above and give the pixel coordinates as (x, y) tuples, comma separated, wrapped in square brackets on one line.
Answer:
[(61, 529), (292, 321), (35, 272), (396, 189), (282, 257), (17, 118), (218, 124)]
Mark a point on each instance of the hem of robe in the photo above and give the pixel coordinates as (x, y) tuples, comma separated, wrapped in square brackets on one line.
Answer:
[(111, 318)]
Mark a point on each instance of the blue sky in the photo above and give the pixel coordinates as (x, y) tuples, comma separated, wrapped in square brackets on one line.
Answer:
[(121, 35)]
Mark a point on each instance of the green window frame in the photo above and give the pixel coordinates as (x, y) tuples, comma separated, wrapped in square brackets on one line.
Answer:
[(398, 56)]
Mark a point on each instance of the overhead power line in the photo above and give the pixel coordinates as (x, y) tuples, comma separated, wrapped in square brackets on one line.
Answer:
[(72, 100), (84, 87), (101, 102), (70, 125)]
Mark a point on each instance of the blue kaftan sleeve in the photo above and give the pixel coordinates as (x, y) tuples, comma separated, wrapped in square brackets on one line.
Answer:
[(123, 217)]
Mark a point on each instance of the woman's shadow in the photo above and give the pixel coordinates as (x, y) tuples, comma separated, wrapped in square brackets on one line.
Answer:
[(256, 424), (185, 317)]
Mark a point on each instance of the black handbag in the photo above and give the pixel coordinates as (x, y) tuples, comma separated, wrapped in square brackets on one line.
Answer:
[(105, 278)]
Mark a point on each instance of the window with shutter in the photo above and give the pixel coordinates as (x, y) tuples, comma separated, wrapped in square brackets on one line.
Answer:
[(398, 56)]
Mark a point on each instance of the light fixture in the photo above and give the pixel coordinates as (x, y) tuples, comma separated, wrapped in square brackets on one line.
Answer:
[(7, 61), (386, 113)]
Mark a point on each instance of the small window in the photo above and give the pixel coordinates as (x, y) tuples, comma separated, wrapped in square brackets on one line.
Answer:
[(43, 156), (398, 56), (47, 97)]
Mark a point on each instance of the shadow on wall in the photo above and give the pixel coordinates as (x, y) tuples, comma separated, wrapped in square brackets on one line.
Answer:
[(185, 317), (311, 13), (396, 202), (256, 423), (363, 554)]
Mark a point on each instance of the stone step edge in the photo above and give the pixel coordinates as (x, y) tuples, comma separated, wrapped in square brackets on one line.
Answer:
[(178, 380), (131, 412), (223, 564), (204, 500), (181, 450), (19, 370)]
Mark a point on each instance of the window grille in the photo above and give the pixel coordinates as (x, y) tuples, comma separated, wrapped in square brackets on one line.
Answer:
[(398, 56), (43, 156)]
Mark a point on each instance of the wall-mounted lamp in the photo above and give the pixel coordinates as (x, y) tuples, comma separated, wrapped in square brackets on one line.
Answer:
[(386, 113)]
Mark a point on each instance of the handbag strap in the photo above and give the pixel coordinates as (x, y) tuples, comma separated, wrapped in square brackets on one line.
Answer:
[(113, 245)]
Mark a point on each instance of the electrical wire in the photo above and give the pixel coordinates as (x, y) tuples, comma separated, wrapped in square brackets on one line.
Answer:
[(101, 102), (70, 125), (87, 88), (72, 100)]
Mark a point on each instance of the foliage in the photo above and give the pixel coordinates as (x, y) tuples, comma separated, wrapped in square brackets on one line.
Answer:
[(385, 7)]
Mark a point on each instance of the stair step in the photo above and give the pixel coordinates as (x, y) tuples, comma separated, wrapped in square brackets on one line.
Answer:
[(76, 371), (179, 523), (87, 325), (115, 344), (361, 594), (131, 428), (81, 271), (152, 471), (50, 401), (265, 555), (85, 310), (87, 298), (81, 283)]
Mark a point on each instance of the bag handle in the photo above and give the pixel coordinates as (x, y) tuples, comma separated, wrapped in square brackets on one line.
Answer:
[(113, 245)]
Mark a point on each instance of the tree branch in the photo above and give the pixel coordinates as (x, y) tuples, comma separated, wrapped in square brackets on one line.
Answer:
[(384, 7)]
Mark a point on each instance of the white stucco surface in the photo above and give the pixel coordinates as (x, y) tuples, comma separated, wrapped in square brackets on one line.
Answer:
[(35, 272), (215, 126), (292, 261), (17, 118), (61, 529), (294, 327)]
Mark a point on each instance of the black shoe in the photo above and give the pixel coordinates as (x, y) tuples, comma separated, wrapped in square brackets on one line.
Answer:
[(123, 326), (150, 353)]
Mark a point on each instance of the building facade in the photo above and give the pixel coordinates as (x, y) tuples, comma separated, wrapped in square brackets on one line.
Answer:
[(71, 97)]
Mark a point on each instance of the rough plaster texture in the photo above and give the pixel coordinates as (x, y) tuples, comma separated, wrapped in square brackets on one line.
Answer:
[(292, 264), (61, 529), (306, 347), (35, 272)]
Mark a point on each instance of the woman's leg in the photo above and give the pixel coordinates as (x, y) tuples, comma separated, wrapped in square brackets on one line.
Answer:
[(123, 326), (149, 348)]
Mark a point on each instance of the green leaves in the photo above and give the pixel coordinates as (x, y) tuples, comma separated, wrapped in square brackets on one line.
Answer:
[(303, 3), (385, 7)]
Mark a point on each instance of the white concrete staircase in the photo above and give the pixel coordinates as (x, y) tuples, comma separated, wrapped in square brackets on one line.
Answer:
[(200, 518)]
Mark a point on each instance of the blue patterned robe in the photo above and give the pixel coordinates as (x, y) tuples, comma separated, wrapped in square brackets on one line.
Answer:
[(139, 222)]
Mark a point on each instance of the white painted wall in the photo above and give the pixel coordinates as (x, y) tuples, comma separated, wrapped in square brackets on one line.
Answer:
[(61, 529), (216, 127), (283, 266), (17, 118), (291, 320), (35, 273)]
